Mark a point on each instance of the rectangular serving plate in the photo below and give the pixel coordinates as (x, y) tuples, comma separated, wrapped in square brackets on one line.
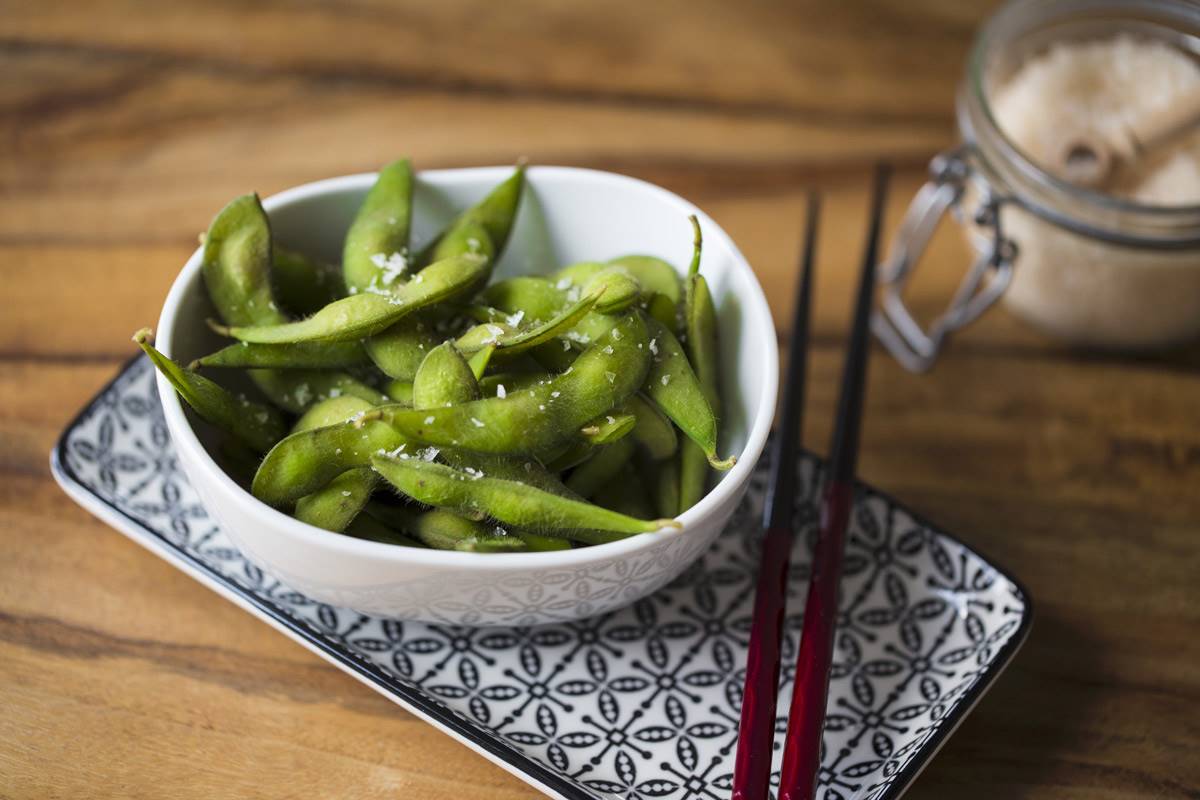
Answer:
[(642, 702)]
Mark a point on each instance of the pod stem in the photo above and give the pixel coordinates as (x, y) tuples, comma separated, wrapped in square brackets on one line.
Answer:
[(697, 246), (722, 464), (218, 328)]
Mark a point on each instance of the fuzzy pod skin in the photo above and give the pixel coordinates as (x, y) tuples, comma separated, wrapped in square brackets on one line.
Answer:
[(380, 231), (536, 297), (673, 386), (445, 379), (294, 390), (605, 463), (494, 215), (543, 417), (652, 431), (399, 392), (335, 505), (237, 274), (652, 274), (509, 339), (445, 530), (664, 477), (304, 285), (308, 460), (308, 355), (616, 288), (509, 502), (366, 314), (670, 383), (700, 323), (399, 350), (256, 425)]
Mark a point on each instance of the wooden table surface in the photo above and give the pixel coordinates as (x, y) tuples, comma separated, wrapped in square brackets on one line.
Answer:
[(126, 125)]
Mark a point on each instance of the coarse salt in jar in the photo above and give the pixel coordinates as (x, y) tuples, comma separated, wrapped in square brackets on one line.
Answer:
[(1114, 266)]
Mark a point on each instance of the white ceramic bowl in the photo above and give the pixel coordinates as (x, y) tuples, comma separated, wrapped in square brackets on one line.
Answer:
[(567, 215)]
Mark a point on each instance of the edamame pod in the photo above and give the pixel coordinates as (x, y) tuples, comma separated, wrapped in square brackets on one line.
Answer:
[(495, 214), (306, 461), (400, 349), (700, 321), (363, 315), (674, 387), (257, 425), (542, 417), (375, 255), (237, 273), (307, 355), (445, 530), (304, 285), (335, 505), (508, 501), (598, 470)]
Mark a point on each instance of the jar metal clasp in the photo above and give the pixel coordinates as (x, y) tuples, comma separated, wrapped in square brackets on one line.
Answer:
[(950, 174)]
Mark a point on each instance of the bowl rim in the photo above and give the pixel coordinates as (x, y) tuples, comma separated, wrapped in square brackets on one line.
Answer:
[(757, 320)]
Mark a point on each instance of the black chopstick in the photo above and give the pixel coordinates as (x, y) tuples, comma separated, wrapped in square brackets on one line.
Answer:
[(802, 745), (752, 764)]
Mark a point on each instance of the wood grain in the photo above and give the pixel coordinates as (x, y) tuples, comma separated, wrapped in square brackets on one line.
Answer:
[(125, 125)]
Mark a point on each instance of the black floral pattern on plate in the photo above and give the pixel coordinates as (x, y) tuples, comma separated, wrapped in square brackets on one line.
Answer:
[(638, 703)]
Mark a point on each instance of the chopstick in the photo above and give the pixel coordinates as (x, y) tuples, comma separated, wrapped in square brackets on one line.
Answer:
[(752, 763), (802, 745)]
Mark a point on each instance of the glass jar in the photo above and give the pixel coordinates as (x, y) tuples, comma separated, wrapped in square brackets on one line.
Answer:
[(1090, 268)]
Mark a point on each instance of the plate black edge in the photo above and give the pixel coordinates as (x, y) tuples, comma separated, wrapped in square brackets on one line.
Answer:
[(417, 703)]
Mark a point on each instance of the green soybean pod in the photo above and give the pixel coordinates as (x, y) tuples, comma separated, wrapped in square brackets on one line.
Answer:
[(652, 431), (445, 530), (625, 494), (308, 355), (603, 430), (509, 502), (665, 483), (445, 379), (541, 418), (700, 322), (617, 289), (237, 264), (331, 411), (399, 350), (654, 275), (304, 285), (308, 460), (335, 505), (295, 390), (371, 529), (400, 392), (494, 214), (606, 462), (375, 253), (256, 425), (540, 542), (674, 387), (536, 297), (509, 340), (237, 274), (362, 315)]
